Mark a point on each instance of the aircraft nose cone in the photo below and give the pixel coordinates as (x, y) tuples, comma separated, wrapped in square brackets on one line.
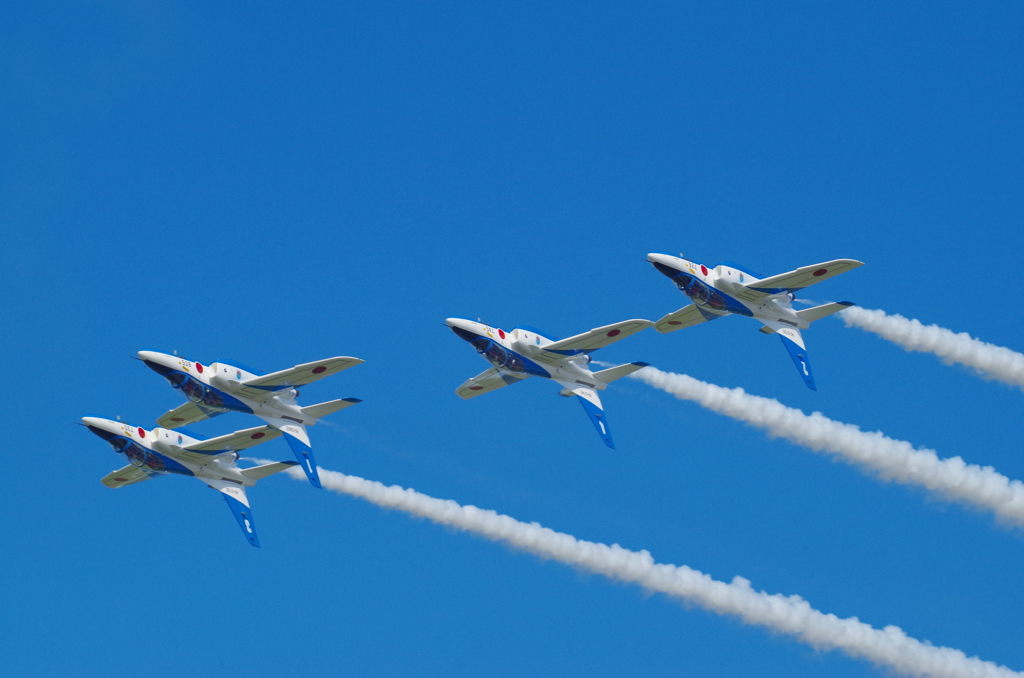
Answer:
[(158, 362), (101, 427), (462, 328), (665, 264)]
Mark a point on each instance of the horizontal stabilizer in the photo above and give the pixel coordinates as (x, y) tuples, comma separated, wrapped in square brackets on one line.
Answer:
[(611, 374), (129, 475), (819, 312), (487, 381), (186, 414), (329, 407), (685, 317), (239, 440), (598, 337), (301, 375), (260, 472)]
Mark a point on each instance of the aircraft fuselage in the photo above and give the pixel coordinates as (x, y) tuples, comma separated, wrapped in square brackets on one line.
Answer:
[(521, 351), (712, 291)]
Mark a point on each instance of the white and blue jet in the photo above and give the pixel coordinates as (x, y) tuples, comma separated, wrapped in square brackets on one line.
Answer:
[(525, 352), (226, 386), (162, 451), (729, 289)]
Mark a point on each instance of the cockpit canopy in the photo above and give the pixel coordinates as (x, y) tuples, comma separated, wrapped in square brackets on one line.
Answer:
[(497, 355), (137, 455), (699, 293), (194, 390)]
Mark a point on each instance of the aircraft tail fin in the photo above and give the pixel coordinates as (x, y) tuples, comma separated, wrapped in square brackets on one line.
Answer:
[(236, 500), (304, 453), (260, 472), (613, 373), (794, 343), (592, 406), (329, 407), (295, 433), (825, 310)]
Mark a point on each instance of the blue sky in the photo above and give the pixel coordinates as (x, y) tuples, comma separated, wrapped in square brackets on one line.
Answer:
[(278, 185)]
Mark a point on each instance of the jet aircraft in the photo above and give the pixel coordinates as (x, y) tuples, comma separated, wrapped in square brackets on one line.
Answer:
[(525, 352), (728, 288), (161, 451), (231, 387)]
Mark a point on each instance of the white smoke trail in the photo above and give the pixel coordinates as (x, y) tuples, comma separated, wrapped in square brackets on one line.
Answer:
[(889, 647), (891, 459), (989, 360)]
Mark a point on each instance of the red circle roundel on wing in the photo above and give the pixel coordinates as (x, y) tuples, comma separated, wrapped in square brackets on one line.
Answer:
[(703, 269), (476, 388), (501, 333), (820, 272), (257, 435), (614, 333), (199, 368), (319, 370)]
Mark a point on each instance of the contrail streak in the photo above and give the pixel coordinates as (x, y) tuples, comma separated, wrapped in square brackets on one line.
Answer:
[(952, 478), (889, 647), (989, 360)]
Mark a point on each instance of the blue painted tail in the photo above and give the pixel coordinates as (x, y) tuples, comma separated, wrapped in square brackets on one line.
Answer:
[(244, 517), (596, 415), (304, 453), (800, 359)]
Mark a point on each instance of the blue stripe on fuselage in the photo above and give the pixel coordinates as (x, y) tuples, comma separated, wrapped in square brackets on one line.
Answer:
[(155, 462), (529, 367), (731, 305), (227, 401)]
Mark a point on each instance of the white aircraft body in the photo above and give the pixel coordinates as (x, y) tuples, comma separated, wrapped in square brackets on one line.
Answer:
[(162, 451), (231, 387), (731, 289), (525, 352)]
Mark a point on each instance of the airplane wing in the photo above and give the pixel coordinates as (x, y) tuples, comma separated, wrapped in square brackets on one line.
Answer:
[(487, 381), (299, 375), (239, 440), (186, 414), (598, 337), (805, 276), (129, 475), (685, 317)]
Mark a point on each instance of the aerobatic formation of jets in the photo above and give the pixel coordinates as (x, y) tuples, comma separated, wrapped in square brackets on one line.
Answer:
[(229, 386)]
